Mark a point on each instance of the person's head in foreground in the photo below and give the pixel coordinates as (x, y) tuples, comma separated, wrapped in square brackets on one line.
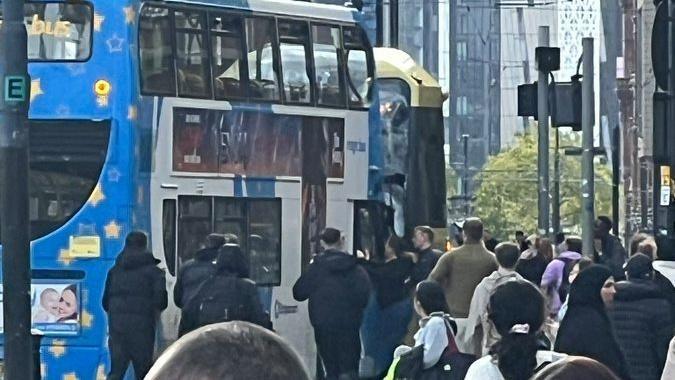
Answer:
[(229, 351), (575, 368)]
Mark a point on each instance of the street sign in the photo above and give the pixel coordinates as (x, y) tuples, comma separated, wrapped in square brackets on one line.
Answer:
[(15, 88)]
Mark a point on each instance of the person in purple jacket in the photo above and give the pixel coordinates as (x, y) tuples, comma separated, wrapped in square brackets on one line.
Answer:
[(555, 280)]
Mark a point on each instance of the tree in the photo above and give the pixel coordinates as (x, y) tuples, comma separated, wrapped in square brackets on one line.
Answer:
[(507, 193)]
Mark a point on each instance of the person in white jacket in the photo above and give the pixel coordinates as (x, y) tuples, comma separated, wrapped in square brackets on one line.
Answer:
[(478, 336)]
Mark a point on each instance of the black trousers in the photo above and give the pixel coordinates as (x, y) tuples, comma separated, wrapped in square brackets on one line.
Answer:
[(340, 352), (130, 347)]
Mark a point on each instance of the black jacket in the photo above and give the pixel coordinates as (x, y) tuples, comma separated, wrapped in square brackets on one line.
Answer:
[(667, 289), (233, 290), (532, 269), (192, 274), (389, 279), (337, 289), (643, 327), (427, 260), (613, 256), (135, 292)]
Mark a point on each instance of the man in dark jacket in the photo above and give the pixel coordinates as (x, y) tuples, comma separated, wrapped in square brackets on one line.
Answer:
[(338, 290), (427, 257), (641, 320), (195, 271), (134, 295), (611, 254)]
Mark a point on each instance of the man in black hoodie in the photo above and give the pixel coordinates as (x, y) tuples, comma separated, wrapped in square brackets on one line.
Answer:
[(641, 320), (194, 272), (338, 290), (134, 295)]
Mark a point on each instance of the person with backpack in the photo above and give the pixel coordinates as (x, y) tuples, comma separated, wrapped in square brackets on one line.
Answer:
[(555, 280), (134, 296), (338, 290), (517, 312), (226, 296), (478, 335), (435, 354)]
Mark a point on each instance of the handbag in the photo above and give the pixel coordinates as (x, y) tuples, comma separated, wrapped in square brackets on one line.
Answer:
[(452, 364)]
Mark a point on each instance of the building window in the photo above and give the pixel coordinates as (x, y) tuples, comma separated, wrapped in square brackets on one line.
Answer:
[(462, 106), (462, 51)]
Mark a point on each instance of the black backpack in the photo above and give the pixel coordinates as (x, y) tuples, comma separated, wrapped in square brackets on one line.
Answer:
[(564, 288), (220, 300)]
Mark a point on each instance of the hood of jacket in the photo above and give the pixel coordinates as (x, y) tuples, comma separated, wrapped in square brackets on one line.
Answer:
[(634, 290), (336, 261), (569, 255), (132, 259), (500, 276)]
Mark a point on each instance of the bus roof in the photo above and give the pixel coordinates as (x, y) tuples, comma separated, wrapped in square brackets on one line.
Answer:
[(394, 63), (282, 7)]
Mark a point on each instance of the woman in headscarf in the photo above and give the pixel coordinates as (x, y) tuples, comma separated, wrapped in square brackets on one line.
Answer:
[(586, 330)]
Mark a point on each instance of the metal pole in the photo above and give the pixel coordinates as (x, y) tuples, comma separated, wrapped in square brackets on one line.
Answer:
[(465, 175), (587, 116), (555, 215), (616, 180), (14, 227), (542, 160), (393, 23)]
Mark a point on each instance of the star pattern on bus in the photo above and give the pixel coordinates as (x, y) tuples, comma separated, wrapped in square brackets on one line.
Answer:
[(35, 89), (114, 175), (70, 376), (64, 257), (129, 14), (58, 348), (132, 112), (87, 319), (114, 43), (98, 21), (97, 195), (112, 230)]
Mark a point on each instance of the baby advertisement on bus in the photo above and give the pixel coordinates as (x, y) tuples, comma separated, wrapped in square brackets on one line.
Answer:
[(55, 308)]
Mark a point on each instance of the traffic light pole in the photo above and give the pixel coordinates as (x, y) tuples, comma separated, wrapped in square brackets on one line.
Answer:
[(14, 227), (542, 160), (587, 174)]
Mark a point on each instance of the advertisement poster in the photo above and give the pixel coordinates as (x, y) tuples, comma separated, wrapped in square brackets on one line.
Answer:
[(55, 308)]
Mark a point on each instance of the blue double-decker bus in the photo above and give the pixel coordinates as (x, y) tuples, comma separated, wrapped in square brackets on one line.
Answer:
[(253, 118)]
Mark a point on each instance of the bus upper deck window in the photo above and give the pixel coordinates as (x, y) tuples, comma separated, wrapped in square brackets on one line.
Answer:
[(293, 48), (262, 62), (157, 67), (58, 31), (328, 76), (226, 50), (192, 64), (360, 67)]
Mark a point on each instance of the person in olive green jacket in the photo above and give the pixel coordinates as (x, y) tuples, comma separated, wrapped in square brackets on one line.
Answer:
[(462, 269)]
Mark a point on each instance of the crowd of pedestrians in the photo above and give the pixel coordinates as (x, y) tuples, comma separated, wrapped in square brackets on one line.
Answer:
[(533, 308)]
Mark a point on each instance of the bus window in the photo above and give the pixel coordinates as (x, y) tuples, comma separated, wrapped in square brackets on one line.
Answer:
[(360, 67), (192, 63), (262, 76), (157, 66), (328, 76), (194, 225), (293, 48), (264, 241), (58, 31), (226, 50), (395, 118), (66, 158), (169, 234)]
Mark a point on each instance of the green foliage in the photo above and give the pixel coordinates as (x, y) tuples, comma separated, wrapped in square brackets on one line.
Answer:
[(506, 198)]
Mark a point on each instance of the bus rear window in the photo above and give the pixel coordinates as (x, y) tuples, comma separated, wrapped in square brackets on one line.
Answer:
[(58, 31)]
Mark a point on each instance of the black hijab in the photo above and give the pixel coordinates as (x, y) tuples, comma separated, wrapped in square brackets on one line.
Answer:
[(585, 290), (586, 329)]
